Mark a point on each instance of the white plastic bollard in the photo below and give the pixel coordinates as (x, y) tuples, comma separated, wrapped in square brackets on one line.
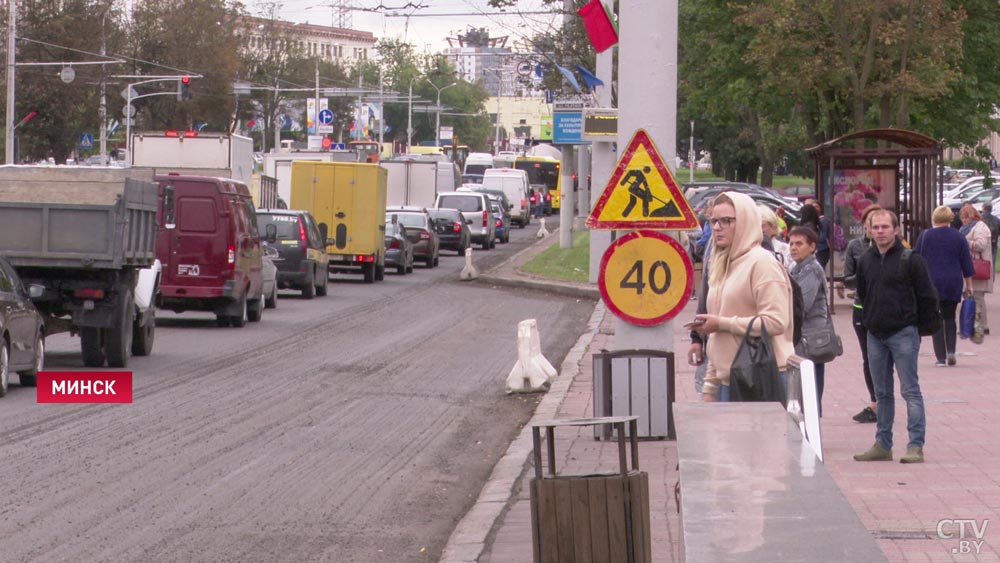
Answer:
[(469, 272), (543, 232), (532, 372)]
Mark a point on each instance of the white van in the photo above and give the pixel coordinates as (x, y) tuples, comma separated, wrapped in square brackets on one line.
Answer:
[(478, 163), (514, 184)]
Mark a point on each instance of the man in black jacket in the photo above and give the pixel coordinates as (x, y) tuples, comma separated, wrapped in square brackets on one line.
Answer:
[(897, 293)]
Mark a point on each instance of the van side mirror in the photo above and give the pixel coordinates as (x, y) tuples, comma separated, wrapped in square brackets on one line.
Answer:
[(271, 233), (35, 291)]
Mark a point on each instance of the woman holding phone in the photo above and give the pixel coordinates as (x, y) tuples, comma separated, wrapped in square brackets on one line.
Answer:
[(745, 281)]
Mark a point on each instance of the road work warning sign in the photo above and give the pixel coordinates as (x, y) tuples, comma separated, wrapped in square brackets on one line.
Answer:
[(642, 193)]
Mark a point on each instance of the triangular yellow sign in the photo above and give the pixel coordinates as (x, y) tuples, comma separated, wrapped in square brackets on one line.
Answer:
[(642, 193)]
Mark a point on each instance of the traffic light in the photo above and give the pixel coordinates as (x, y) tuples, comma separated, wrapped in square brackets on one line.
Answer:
[(184, 89)]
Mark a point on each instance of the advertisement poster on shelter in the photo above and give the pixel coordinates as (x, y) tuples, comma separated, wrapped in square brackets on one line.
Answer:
[(854, 190)]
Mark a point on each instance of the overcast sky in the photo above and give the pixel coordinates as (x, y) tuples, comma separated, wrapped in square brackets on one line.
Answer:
[(427, 32)]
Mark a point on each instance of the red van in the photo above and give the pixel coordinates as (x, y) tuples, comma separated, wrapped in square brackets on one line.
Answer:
[(210, 249)]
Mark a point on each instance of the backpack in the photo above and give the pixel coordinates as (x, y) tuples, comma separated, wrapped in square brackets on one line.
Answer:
[(798, 312), (798, 305), (929, 319)]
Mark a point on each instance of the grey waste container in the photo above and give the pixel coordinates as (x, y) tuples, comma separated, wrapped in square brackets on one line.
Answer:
[(600, 517), (636, 382)]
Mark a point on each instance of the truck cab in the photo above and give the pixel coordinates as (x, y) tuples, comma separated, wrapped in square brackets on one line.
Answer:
[(210, 248)]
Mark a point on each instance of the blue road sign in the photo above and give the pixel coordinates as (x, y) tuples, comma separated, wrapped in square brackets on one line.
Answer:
[(325, 116), (86, 141), (338, 146)]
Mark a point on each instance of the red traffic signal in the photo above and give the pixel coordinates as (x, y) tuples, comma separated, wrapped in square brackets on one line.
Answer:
[(184, 89)]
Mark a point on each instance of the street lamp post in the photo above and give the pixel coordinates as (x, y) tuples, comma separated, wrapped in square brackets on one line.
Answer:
[(409, 117), (437, 121)]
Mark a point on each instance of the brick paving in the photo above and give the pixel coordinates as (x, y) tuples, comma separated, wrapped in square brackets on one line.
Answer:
[(902, 505)]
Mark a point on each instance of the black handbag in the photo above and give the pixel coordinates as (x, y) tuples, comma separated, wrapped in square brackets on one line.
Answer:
[(821, 344), (754, 375)]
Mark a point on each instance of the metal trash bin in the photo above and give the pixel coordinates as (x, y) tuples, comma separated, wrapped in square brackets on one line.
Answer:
[(589, 518), (636, 382)]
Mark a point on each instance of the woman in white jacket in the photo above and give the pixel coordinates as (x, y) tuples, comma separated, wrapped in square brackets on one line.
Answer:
[(978, 235)]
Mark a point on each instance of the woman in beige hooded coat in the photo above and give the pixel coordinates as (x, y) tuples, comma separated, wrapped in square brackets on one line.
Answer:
[(746, 281)]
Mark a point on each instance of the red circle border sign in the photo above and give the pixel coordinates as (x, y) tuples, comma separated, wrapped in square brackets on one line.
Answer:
[(688, 278)]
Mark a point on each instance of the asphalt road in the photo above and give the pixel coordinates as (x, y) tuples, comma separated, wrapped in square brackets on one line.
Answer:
[(357, 427)]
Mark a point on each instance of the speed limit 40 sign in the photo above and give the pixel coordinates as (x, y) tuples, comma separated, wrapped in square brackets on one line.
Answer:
[(646, 278)]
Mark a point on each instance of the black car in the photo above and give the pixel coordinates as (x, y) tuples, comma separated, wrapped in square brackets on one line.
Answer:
[(22, 348), (301, 246), (420, 230), (452, 230)]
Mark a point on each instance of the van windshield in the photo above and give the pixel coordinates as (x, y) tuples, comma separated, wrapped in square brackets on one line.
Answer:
[(476, 168), (461, 202), (287, 225)]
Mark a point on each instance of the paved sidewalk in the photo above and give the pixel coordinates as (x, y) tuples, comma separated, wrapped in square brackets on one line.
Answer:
[(904, 506)]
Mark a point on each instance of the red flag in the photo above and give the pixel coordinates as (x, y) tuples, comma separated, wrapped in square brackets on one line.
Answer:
[(600, 26)]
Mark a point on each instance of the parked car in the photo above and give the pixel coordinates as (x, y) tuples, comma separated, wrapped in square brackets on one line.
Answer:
[(798, 193), (210, 249), (420, 230), (270, 255), (475, 207), (495, 193), (472, 179), (453, 231), (398, 248), (977, 200), (22, 329), (301, 244), (503, 221)]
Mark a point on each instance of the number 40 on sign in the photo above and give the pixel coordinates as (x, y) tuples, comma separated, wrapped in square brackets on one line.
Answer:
[(645, 278)]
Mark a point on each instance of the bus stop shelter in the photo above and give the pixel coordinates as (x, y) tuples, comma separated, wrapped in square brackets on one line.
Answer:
[(897, 169)]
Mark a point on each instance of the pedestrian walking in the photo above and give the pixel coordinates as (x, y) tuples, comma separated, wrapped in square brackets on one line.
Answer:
[(855, 250), (978, 235), (950, 264), (994, 224), (896, 292), (811, 278), (772, 232), (745, 281)]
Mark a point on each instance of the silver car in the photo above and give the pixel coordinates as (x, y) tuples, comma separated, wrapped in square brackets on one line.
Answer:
[(475, 208)]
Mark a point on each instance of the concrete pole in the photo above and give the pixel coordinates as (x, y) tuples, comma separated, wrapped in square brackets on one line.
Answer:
[(567, 198), (647, 98), (102, 113), (11, 46), (409, 118), (603, 159), (583, 192)]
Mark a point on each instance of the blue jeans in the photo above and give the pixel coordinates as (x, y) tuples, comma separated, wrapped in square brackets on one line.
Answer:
[(899, 350)]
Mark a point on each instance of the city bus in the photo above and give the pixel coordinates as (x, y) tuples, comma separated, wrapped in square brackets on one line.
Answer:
[(542, 170)]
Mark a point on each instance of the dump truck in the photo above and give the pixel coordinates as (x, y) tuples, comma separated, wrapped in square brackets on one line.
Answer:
[(88, 236), (349, 198)]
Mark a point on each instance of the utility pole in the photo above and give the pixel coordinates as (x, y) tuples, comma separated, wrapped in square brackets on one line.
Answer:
[(409, 118), (691, 154), (11, 46), (103, 111), (437, 112)]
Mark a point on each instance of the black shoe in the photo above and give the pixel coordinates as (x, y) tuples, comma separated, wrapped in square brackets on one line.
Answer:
[(866, 415)]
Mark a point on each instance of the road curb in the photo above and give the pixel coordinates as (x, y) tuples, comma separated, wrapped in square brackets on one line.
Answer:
[(509, 274), (468, 540)]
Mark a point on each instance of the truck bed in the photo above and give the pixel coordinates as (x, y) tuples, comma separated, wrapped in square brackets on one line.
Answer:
[(77, 217)]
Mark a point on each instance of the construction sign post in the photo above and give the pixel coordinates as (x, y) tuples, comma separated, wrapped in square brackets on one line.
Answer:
[(642, 193)]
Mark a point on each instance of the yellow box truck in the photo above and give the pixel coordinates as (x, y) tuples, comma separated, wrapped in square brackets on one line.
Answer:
[(349, 198)]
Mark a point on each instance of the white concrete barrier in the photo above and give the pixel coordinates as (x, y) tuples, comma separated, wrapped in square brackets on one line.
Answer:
[(542, 232), (469, 272), (532, 372)]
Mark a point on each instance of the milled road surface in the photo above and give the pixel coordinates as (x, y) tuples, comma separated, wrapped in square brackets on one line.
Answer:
[(357, 427)]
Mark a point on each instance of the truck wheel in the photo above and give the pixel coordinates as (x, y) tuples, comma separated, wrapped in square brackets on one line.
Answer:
[(142, 336), (29, 378), (321, 289), (401, 269), (369, 271), (118, 339), (4, 367), (486, 243), (240, 320), (255, 309), (309, 286), (92, 346), (379, 273)]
